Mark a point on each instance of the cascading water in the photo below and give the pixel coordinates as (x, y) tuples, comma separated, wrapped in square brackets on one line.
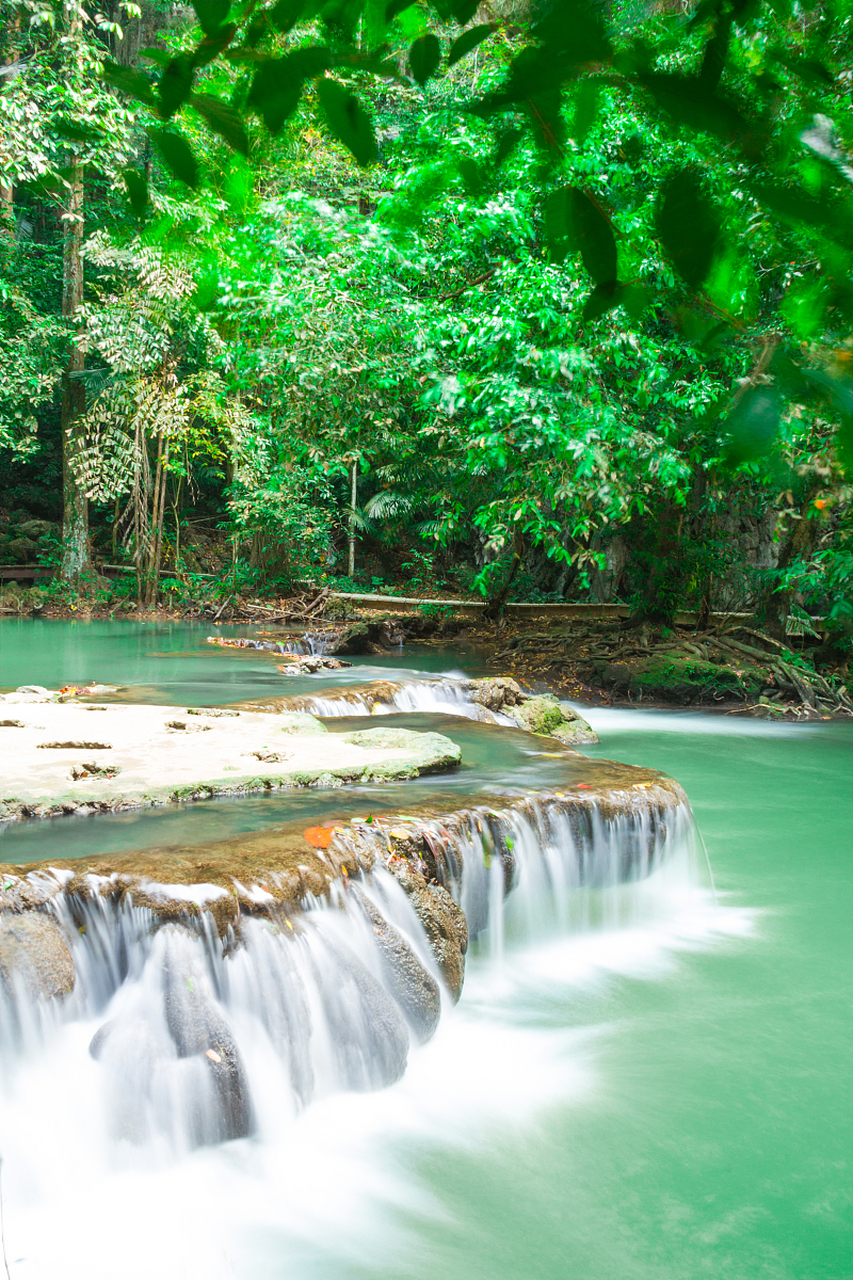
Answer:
[(447, 696), (188, 1029), (189, 1107)]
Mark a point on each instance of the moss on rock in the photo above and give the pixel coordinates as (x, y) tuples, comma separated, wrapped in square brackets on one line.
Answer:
[(682, 681), (546, 716)]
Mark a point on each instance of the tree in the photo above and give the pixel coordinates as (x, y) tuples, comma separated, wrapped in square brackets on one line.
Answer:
[(59, 121)]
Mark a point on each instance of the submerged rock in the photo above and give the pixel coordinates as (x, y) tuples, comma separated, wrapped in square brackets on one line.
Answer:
[(443, 921), (34, 955), (198, 1029), (415, 991)]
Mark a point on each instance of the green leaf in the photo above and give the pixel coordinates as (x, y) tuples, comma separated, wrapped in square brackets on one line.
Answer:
[(348, 120), (689, 227), (137, 190), (424, 57), (277, 85), (575, 30), (77, 132), (716, 49), (211, 46), (573, 222), (753, 425), (559, 230), (178, 155), (464, 10), (506, 144), (223, 120), (211, 14), (691, 102), (469, 40), (130, 81), (176, 85), (274, 95), (161, 57), (603, 298), (395, 7), (286, 14), (586, 108)]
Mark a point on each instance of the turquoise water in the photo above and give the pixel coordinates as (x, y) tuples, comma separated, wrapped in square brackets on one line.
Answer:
[(171, 663), (665, 1100)]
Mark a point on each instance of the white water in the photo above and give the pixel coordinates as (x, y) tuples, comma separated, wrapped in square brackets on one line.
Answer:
[(102, 1174), (447, 696)]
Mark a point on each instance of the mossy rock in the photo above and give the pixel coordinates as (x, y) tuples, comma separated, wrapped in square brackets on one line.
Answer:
[(662, 678), (546, 716)]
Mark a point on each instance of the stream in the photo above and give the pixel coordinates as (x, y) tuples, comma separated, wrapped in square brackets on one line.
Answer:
[(646, 1081)]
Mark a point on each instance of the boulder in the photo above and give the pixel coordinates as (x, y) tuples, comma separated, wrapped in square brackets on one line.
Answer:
[(546, 716), (373, 636), (38, 529), (308, 664), (443, 921), (34, 955), (198, 1029), (496, 693), (414, 990), (367, 1032), (679, 681)]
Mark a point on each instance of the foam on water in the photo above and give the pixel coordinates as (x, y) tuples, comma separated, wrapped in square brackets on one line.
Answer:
[(317, 1187)]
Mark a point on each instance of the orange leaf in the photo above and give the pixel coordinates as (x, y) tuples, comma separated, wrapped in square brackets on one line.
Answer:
[(320, 837)]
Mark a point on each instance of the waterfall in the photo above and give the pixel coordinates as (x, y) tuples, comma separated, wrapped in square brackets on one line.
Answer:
[(446, 696), (191, 1034), (313, 643), (546, 863), (189, 1027)]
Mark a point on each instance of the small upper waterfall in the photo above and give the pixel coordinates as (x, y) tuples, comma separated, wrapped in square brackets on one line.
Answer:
[(448, 695)]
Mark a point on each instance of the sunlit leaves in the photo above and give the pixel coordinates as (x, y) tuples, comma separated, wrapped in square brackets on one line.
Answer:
[(689, 227), (348, 120)]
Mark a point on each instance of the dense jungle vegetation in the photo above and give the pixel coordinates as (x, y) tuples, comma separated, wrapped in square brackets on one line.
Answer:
[(544, 300)]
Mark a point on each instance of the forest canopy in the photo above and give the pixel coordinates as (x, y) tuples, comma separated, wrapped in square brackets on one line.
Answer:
[(552, 298)]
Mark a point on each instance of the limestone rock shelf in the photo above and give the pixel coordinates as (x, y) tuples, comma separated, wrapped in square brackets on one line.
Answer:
[(65, 757)]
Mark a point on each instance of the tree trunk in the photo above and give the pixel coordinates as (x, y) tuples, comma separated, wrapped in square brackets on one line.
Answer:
[(75, 507), (661, 592), (353, 498), (801, 538)]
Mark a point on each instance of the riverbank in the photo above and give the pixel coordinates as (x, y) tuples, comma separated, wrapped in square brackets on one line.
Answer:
[(730, 666)]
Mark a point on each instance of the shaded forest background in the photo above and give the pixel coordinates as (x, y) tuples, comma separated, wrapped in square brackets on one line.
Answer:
[(550, 302)]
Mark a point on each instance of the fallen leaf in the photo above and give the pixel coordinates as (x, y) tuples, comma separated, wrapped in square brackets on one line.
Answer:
[(320, 837), (213, 1055)]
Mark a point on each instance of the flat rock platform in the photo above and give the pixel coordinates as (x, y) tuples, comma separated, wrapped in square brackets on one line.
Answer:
[(62, 757)]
